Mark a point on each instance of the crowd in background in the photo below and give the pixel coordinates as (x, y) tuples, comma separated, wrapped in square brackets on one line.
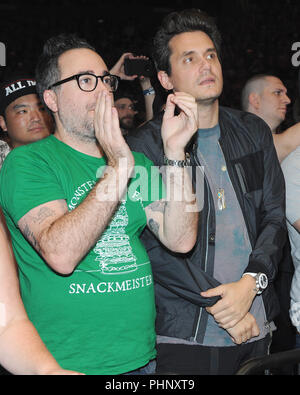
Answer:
[(257, 36)]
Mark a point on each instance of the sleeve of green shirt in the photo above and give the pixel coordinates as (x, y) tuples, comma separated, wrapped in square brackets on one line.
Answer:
[(27, 181)]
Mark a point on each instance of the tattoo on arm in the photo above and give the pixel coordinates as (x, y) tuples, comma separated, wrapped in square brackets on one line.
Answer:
[(154, 227), (36, 224), (28, 234), (158, 206), (43, 214)]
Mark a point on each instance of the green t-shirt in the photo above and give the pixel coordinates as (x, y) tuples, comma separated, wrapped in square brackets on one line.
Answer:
[(100, 319)]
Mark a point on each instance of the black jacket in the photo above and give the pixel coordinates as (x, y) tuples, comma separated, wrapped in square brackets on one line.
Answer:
[(256, 176)]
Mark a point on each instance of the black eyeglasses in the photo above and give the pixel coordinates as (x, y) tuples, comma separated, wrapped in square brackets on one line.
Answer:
[(88, 82)]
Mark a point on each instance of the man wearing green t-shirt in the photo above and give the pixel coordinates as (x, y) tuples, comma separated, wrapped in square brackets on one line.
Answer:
[(76, 217)]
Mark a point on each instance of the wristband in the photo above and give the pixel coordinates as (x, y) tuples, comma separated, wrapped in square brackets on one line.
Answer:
[(149, 91), (177, 163), (250, 274)]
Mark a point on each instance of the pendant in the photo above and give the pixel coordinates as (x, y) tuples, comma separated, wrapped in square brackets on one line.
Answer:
[(221, 199)]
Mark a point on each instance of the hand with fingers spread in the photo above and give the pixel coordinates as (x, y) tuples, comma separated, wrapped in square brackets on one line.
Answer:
[(108, 132), (177, 130)]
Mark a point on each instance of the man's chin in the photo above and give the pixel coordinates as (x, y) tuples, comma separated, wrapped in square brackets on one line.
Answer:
[(127, 125), (85, 134), (207, 101), (38, 136)]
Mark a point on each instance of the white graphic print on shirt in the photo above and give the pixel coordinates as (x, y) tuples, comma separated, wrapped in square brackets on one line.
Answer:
[(113, 249)]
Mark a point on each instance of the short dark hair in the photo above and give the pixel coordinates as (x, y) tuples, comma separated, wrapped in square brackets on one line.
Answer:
[(254, 84), (189, 20), (47, 70), (123, 92)]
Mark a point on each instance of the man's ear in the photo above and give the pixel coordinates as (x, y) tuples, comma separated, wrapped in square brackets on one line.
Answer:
[(50, 99), (165, 81), (3, 124), (254, 100)]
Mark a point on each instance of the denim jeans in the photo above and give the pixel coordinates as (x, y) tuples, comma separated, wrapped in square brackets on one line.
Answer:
[(147, 369)]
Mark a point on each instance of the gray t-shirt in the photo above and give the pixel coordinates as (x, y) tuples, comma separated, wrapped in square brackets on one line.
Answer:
[(232, 244)]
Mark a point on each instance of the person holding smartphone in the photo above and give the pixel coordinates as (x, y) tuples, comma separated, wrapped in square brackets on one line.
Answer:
[(130, 68)]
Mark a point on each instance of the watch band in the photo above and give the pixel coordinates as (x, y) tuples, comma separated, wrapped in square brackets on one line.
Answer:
[(177, 163), (259, 288)]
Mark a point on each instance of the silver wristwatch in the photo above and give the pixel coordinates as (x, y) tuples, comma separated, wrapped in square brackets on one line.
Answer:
[(261, 282)]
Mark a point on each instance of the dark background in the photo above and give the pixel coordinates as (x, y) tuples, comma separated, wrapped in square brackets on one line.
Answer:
[(257, 35)]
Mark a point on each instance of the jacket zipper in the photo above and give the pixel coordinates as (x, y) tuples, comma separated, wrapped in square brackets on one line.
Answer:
[(239, 190), (206, 251)]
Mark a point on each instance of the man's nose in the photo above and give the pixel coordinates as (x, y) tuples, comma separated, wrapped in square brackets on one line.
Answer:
[(130, 110), (286, 99), (204, 64), (35, 116), (101, 86)]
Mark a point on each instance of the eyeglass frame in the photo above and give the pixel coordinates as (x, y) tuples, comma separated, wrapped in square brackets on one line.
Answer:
[(77, 76)]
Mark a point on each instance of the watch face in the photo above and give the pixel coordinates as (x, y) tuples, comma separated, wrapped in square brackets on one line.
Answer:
[(263, 281)]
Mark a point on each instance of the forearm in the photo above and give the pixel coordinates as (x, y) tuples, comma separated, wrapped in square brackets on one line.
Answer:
[(149, 96), (65, 243), (23, 352), (149, 100), (21, 349), (181, 213), (180, 219), (287, 142)]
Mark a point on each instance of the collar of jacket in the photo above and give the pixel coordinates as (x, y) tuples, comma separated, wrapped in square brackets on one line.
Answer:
[(225, 116)]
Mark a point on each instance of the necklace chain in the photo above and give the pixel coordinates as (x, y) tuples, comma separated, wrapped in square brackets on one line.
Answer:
[(219, 191)]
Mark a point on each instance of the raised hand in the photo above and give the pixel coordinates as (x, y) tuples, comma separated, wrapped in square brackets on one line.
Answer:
[(108, 132), (118, 68), (177, 130)]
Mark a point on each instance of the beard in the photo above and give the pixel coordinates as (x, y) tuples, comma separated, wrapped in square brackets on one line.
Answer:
[(81, 128), (127, 123)]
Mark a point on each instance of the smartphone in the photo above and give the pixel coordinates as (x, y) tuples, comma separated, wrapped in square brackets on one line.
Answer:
[(140, 67)]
